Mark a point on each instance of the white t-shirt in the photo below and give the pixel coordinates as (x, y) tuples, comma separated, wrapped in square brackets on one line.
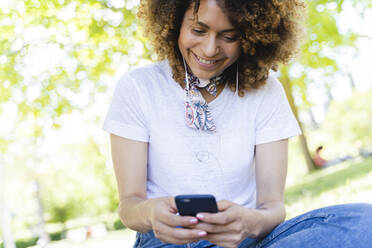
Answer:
[(148, 106)]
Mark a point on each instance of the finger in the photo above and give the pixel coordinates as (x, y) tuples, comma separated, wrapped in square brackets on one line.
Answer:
[(177, 221), (223, 205), (221, 218), (178, 235), (210, 228), (227, 240)]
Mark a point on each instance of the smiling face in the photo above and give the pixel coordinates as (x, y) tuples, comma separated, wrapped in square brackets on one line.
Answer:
[(211, 44)]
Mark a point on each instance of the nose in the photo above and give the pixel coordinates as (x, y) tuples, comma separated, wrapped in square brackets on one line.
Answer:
[(210, 46)]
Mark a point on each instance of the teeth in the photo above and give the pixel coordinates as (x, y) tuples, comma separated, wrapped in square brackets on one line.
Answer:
[(208, 62)]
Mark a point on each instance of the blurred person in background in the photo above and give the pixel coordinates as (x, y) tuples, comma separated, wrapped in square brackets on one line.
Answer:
[(320, 162)]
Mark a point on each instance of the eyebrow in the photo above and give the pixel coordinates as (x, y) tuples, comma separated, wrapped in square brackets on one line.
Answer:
[(206, 26)]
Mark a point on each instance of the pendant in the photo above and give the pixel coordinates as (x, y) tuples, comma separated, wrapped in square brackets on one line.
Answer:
[(202, 156)]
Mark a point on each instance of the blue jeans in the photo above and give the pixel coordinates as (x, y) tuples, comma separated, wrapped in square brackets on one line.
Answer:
[(340, 226)]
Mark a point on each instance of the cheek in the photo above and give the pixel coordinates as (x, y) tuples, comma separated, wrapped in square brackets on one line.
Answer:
[(186, 39), (181, 39), (234, 51)]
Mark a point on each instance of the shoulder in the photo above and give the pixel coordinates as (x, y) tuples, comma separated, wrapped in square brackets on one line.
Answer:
[(150, 72), (146, 76), (270, 88), (272, 84)]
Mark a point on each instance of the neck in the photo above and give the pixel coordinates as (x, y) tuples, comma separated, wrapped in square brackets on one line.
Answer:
[(208, 97)]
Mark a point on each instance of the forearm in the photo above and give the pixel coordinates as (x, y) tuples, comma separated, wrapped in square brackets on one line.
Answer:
[(269, 215), (135, 213)]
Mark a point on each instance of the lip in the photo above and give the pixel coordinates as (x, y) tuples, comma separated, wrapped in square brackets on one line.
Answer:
[(206, 66)]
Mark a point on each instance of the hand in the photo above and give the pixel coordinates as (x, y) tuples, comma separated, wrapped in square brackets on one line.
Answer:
[(230, 226), (167, 226)]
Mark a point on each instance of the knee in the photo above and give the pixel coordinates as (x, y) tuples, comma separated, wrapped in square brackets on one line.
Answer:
[(354, 215), (364, 209), (358, 216)]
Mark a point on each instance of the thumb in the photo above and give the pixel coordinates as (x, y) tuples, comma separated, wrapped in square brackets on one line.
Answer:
[(172, 203)]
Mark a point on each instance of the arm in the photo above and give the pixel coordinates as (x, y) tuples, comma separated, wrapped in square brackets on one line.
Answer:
[(135, 210), (271, 171), (130, 163)]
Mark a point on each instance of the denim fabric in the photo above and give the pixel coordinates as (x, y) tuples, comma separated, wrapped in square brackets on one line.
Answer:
[(345, 226)]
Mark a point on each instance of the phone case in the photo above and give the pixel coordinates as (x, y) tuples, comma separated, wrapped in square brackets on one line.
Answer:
[(190, 205)]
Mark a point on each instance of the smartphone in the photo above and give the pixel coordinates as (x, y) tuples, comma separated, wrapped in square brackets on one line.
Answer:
[(190, 205)]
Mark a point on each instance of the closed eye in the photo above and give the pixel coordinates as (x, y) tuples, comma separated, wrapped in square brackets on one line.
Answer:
[(198, 31), (231, 39)]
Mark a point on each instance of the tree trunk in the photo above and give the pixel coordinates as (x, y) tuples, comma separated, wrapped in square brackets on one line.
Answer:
[(286, 82), (44, 238), (351, 80), (314, 123), (6, 225), (329, 98), (6, 218)]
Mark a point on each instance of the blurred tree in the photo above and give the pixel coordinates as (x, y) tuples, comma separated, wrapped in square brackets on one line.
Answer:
[(87, 183), (44, 238), (323, 40), (356, 132), (51, 54), (52, 50), (5, 214)]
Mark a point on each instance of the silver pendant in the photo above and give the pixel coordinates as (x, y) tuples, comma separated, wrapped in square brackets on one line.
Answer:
[(202, 156)]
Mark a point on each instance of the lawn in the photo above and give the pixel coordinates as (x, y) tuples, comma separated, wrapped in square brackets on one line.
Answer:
[(344, 183), (116, 239)]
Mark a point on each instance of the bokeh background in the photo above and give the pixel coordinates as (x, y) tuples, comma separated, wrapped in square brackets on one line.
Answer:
[(59, 62)]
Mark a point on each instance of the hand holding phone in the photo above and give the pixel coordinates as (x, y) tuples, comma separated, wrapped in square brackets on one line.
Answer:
[(190, 205)]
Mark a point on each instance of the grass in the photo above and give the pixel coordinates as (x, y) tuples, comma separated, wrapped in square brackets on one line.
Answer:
[(343, 183), (115, 239)]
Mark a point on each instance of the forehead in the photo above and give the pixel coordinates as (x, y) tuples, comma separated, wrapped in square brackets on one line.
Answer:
[(211, 14)]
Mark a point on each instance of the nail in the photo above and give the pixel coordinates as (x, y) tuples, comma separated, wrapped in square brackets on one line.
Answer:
[(200, 216), (193, 221), (202, 233)]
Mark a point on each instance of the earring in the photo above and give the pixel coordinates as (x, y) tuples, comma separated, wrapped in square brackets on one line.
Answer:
[(237, 79), (187, 80)]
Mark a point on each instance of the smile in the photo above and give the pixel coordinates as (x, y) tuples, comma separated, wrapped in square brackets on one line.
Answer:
[(204, 61)]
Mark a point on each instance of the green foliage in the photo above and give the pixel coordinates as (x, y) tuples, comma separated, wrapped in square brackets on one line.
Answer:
[(62, 212), (26, 242), (87, 37), (49, 51), (57, 235), (23, 243), (118, 225), (86, 185), (348, 123), (319, 49)]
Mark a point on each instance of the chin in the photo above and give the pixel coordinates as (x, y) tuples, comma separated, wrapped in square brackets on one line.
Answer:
[(203, 74)]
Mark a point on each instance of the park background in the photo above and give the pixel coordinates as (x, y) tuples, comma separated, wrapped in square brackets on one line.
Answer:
[(59, 63)]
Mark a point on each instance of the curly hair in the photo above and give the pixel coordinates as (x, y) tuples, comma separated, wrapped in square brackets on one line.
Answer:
[(269, 32)]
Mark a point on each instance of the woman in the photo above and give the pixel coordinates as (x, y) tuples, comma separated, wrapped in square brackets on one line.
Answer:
[(208, 119)]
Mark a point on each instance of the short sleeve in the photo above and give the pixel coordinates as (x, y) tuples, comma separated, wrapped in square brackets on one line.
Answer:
[(274, 117), (127, 113)]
